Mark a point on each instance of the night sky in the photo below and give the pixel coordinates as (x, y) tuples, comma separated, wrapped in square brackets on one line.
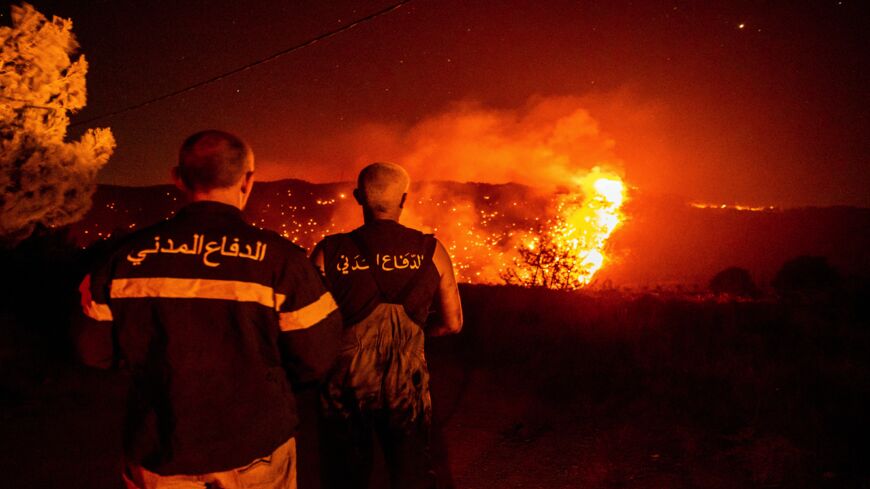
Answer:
[(762, 103)]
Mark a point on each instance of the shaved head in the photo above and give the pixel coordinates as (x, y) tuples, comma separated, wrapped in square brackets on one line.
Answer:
[(382, 187), (213, 159)]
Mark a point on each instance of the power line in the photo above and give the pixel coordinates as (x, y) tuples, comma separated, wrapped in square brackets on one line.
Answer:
[(250, 65)]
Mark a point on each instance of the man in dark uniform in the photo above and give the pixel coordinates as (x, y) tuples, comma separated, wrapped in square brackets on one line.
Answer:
[(384, 277), (210, 315)]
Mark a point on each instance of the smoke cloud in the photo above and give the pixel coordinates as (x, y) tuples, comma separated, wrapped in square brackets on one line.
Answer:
[(544, 144)]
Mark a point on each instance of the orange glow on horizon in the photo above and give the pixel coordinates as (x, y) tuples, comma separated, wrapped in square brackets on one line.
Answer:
[(736, 207)]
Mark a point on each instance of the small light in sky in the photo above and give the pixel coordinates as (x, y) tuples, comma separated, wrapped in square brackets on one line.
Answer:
[(741, 26)]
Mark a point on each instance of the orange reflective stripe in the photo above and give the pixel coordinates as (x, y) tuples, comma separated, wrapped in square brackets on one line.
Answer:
[(193, 288), (100, 312), (279, 300), (90, 307), (308, 316)]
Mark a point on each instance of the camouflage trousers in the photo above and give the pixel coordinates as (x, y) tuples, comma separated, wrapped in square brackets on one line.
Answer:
[(379, 387)]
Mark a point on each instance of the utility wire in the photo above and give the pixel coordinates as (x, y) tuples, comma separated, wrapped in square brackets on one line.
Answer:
[(250, 65)]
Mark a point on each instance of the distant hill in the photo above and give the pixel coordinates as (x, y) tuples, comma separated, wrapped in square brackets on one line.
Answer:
[(667, 241), (663, 241)]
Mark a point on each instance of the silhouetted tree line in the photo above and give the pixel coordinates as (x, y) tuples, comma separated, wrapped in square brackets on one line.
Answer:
[(801, 278)]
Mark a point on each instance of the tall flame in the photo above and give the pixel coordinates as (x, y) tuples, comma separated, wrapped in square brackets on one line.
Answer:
[(570, 249), (590, 225)]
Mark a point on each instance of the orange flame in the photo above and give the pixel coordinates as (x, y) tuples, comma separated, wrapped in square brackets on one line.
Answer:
[(575, 241), (568, 250), (736, 207)]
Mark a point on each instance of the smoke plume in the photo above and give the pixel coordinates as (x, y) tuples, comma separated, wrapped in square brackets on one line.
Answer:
[(544, 144), (545, 147)]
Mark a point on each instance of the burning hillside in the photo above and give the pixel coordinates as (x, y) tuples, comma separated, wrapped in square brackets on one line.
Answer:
[(553, 211), (551, 228), (482, 225), (660, 241)]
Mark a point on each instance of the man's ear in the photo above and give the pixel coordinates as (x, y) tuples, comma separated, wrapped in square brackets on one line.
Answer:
[(248, 182), (402, 202), (358, 196), (177, 180)]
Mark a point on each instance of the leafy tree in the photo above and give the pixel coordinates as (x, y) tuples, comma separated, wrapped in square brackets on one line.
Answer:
[(734, 281), (806, 276), (45, 181)]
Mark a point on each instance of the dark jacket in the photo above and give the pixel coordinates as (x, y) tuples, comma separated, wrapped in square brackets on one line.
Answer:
[(211, 315)]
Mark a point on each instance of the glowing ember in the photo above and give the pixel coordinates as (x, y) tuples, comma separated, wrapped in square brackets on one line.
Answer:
[(494, 233)]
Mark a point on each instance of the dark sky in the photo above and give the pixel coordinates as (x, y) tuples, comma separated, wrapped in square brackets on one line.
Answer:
[(755, 102)]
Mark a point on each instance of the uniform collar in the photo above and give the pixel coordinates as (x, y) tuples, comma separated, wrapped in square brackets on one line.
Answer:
[(210, 207), (381, 222)]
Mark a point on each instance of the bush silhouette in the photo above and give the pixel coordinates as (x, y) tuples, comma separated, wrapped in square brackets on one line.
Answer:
[(734, 281), (806, 275)]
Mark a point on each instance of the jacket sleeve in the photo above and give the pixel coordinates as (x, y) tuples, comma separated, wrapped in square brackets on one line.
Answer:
[(93, 336), (309, 320)]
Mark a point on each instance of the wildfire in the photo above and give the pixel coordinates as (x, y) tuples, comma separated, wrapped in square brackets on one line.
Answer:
[(569, 249), (736, 207), (586, 226), (494, 234)]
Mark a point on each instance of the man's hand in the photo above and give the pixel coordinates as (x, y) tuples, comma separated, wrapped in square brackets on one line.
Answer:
[(92, 331)]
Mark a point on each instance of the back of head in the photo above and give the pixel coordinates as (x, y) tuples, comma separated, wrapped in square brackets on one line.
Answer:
[(383, 186), (213, 159)]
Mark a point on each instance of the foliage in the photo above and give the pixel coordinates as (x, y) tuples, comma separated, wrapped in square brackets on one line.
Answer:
[(547, 262), (806, 276), (734, 281), (44, 180)]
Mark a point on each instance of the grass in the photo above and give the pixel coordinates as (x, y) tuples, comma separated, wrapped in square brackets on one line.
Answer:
[(541, 389)]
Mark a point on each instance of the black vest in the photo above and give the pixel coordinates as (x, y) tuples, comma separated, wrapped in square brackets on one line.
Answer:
[(381, 262)]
